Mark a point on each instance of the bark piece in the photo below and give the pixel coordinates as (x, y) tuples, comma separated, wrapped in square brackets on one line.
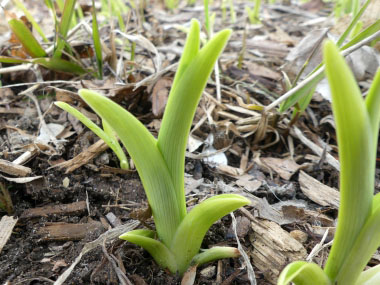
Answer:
[(318, 192), (273, 248), (66, 231), (7, 224), (61, 209), (84, 157), (14, 169)]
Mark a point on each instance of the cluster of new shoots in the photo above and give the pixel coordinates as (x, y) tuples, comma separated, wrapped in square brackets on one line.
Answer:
[(175, 244), (358, 231)]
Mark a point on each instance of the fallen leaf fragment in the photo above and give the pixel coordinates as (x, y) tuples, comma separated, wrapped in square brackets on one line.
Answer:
[(284, 167), (7, 224)]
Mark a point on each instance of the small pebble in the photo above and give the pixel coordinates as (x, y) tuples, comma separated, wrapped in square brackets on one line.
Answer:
[(299, 235), (66, 182), (208, 272)]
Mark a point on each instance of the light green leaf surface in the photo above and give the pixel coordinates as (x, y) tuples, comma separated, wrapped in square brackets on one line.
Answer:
[(303, 273), (362, 250), (151, 166), (26, 38), (355, 154), (182, 103), (160, 253), (111, 141), (215, 253), (370, 276), (190, 234)]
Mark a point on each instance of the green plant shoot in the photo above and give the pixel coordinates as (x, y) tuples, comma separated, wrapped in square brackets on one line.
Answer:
[(175, 244), (107, 134), (358, 232)]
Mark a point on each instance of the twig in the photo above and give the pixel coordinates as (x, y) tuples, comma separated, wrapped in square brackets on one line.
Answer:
[(251, 273), (120, 274), (319, 72)]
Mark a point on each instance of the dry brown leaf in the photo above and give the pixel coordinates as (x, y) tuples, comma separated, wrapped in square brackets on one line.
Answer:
[(262, 71), (7, 224), (160, 95), (285, 167)]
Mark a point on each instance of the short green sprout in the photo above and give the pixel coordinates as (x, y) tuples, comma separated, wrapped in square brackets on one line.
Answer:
[(358, 231), (175, 244)]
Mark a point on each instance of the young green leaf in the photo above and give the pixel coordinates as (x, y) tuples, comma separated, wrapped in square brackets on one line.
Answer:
[(150, 164), (215, 253), (26, 38), (67, 15), (96, 39), (356, 157), (61, 65), (107, 135), (182, 103), (160, 253), (30, 18), (190, 234), (303, 273)]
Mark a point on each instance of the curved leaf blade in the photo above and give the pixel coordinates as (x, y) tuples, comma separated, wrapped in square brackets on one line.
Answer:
[(160, 253), (215, 253), (356, 157), (110, 141), (370, 276), (190, 234), (303, 273), (26, 38), (142, 147), (181, 106), (59, 65), (364, 247)]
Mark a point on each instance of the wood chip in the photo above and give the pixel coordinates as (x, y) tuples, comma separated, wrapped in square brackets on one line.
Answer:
[(61, 209), (65, 231), (274, 248), (14, 169), (284, 167), (318, 192), (7, 224), (84, 157)]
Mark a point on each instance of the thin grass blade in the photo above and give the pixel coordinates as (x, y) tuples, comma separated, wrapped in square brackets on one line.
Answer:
[(26, 38), (373, 106), (60, 65), (31, 19), (96, 39), (67, 15)]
